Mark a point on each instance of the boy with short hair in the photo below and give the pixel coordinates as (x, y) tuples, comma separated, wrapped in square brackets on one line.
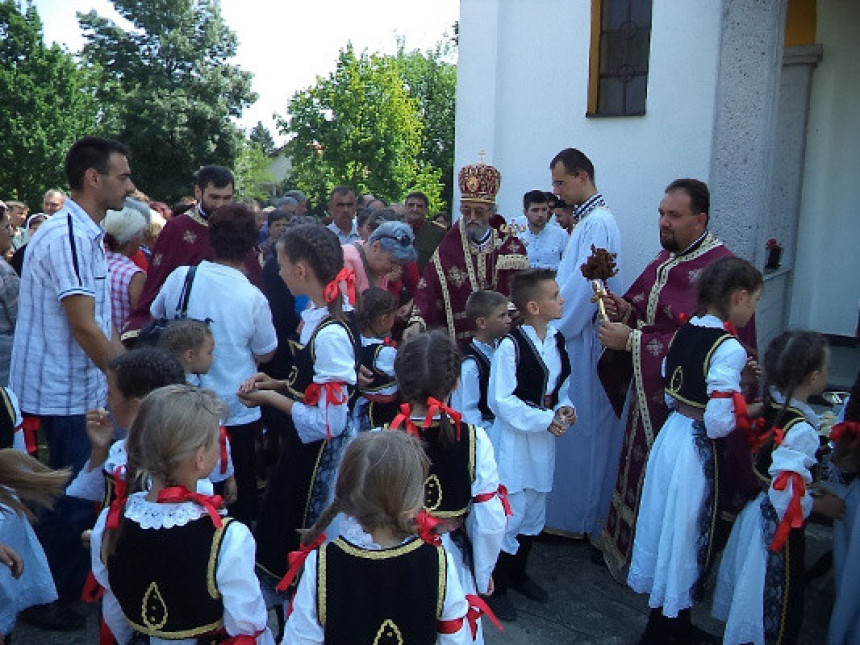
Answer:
[(528, 392), (487, 312)]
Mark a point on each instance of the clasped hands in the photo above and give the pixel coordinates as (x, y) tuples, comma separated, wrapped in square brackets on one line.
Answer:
[(564, 418), (614, 334)]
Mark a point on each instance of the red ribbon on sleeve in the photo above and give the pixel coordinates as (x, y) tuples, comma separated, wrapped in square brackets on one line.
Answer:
[(844, 430), (501, 493), (210, 503), (92, 591), (405, 419), (434, 407), (222, 443), (477, 607), (742, 420), (31, 426), (426, 525), (118, 503), (243, 639), (296, 560), (332, 289), (334, 395), (793, 518)]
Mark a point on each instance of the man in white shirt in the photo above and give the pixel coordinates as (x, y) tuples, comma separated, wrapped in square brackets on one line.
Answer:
[(544, 244), (341, 207)]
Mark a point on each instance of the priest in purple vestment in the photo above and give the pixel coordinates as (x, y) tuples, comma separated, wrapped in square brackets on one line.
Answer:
[(647, 317), (473, 256)]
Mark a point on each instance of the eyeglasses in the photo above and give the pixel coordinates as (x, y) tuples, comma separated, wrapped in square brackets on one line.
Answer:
[(403, 240), (468, 211)]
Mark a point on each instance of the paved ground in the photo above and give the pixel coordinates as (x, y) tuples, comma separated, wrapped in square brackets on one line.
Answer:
[(586, 605)]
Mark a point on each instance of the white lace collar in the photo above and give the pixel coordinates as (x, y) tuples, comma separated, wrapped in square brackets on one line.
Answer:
[(708, 320), (808, 412), (352, 532), (154, 515)]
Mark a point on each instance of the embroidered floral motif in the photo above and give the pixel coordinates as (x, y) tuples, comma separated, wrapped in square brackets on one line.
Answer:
[(694, 275), (639, 297), (457, 277), (189, 237), (668, 311), (422, 283), (655, 347), (156, 259)]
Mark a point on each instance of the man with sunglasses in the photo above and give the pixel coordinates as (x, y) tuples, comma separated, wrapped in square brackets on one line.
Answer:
[(472, 256)]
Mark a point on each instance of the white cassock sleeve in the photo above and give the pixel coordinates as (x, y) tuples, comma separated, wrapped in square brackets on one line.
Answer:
[(335, 362), (724, 375), (486, 521)]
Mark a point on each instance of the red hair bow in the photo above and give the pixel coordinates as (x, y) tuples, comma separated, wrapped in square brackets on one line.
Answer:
[(435, 407), (334, 395), (793, 518), (426, 528), (405, 419), (177, 494), (332, 289), (843, 428), (729, 326), (120, 494), (297, 560)]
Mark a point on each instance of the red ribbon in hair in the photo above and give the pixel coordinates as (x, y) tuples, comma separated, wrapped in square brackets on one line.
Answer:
[(435, 407), (501, 493), (388, 342), (120, 494), (334, 395), (176, 494), (753, 428), (222, 444), (729, 326), (793, 518), (843, 430), (332, 289), (296, 560), (405, 418), (477, 608), (426, 528)]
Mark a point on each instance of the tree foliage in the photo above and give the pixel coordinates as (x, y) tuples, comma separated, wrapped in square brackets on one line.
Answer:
[(174, 87), (252, 172), (364, 125), (262, 138), (48, 103)]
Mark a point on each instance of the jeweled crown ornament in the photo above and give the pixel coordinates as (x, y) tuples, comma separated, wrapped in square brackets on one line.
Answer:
[(479, 182)]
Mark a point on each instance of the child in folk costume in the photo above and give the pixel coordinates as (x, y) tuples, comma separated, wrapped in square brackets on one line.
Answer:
[(488, 314), (175, 570), (845, 621), (378, 401), (192, 342), (674, 529), (25, 578), (463, 498), (414, 593), (760, 584), (315, 396), (131, 376), (528, 391)]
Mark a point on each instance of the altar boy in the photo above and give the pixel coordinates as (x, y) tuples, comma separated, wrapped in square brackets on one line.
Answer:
[(528, 393)]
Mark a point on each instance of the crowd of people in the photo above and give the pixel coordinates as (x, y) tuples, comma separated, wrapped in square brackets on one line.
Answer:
[(246, 411)]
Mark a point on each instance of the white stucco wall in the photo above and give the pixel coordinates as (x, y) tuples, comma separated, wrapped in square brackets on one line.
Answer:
[(522, 96), (827, 269)]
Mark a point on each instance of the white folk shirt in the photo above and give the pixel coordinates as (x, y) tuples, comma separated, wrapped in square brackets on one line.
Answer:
[(50, 372), (465, 398), (526, 451), (545, 248)]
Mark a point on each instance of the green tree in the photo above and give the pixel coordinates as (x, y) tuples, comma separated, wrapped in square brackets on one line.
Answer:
[(262, 138), (176, 89), (359, 126), (253, 177), (48, 103)]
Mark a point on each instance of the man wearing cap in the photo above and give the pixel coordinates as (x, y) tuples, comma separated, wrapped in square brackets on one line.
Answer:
[(472, 256)]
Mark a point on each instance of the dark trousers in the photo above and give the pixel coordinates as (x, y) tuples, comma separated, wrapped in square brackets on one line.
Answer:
[(59, 528), (243, 441), (511, 569)]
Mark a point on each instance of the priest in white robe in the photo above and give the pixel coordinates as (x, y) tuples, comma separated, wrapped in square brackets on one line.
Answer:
[(586, 463)]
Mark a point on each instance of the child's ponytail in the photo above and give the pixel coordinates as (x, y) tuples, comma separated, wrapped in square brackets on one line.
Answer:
[(24, 479), (321, 250)]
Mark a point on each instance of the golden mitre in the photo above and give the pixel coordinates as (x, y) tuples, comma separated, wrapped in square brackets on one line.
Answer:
[(479, 183)]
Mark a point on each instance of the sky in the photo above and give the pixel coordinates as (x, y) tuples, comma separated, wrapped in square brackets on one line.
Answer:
[(288, 43)]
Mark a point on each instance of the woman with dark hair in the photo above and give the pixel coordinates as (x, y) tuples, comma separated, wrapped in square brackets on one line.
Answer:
[(241, 324)]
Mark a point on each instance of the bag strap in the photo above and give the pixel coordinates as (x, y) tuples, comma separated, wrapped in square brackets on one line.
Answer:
[(182, 306)]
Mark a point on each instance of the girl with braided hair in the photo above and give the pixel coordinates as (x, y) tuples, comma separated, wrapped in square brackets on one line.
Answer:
[(413, 583), (315, 398), (759, 590), (462, 497)]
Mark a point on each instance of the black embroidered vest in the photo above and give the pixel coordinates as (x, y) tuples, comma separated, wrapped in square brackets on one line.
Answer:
[(391, 596), (448, 487), (688, 361), (304, 356), (367, 358), (7, 420), (774, 416), (532, 373), (164, 580), (483, 364)]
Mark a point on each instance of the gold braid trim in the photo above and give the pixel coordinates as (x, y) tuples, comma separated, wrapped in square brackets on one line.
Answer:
[(512, 261), (217, 540)]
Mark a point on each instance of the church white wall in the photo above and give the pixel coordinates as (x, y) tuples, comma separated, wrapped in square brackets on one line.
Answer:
[(827, 267), (522, 95)]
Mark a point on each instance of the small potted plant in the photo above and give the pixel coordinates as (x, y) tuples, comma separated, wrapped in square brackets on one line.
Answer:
[(774, 254)]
